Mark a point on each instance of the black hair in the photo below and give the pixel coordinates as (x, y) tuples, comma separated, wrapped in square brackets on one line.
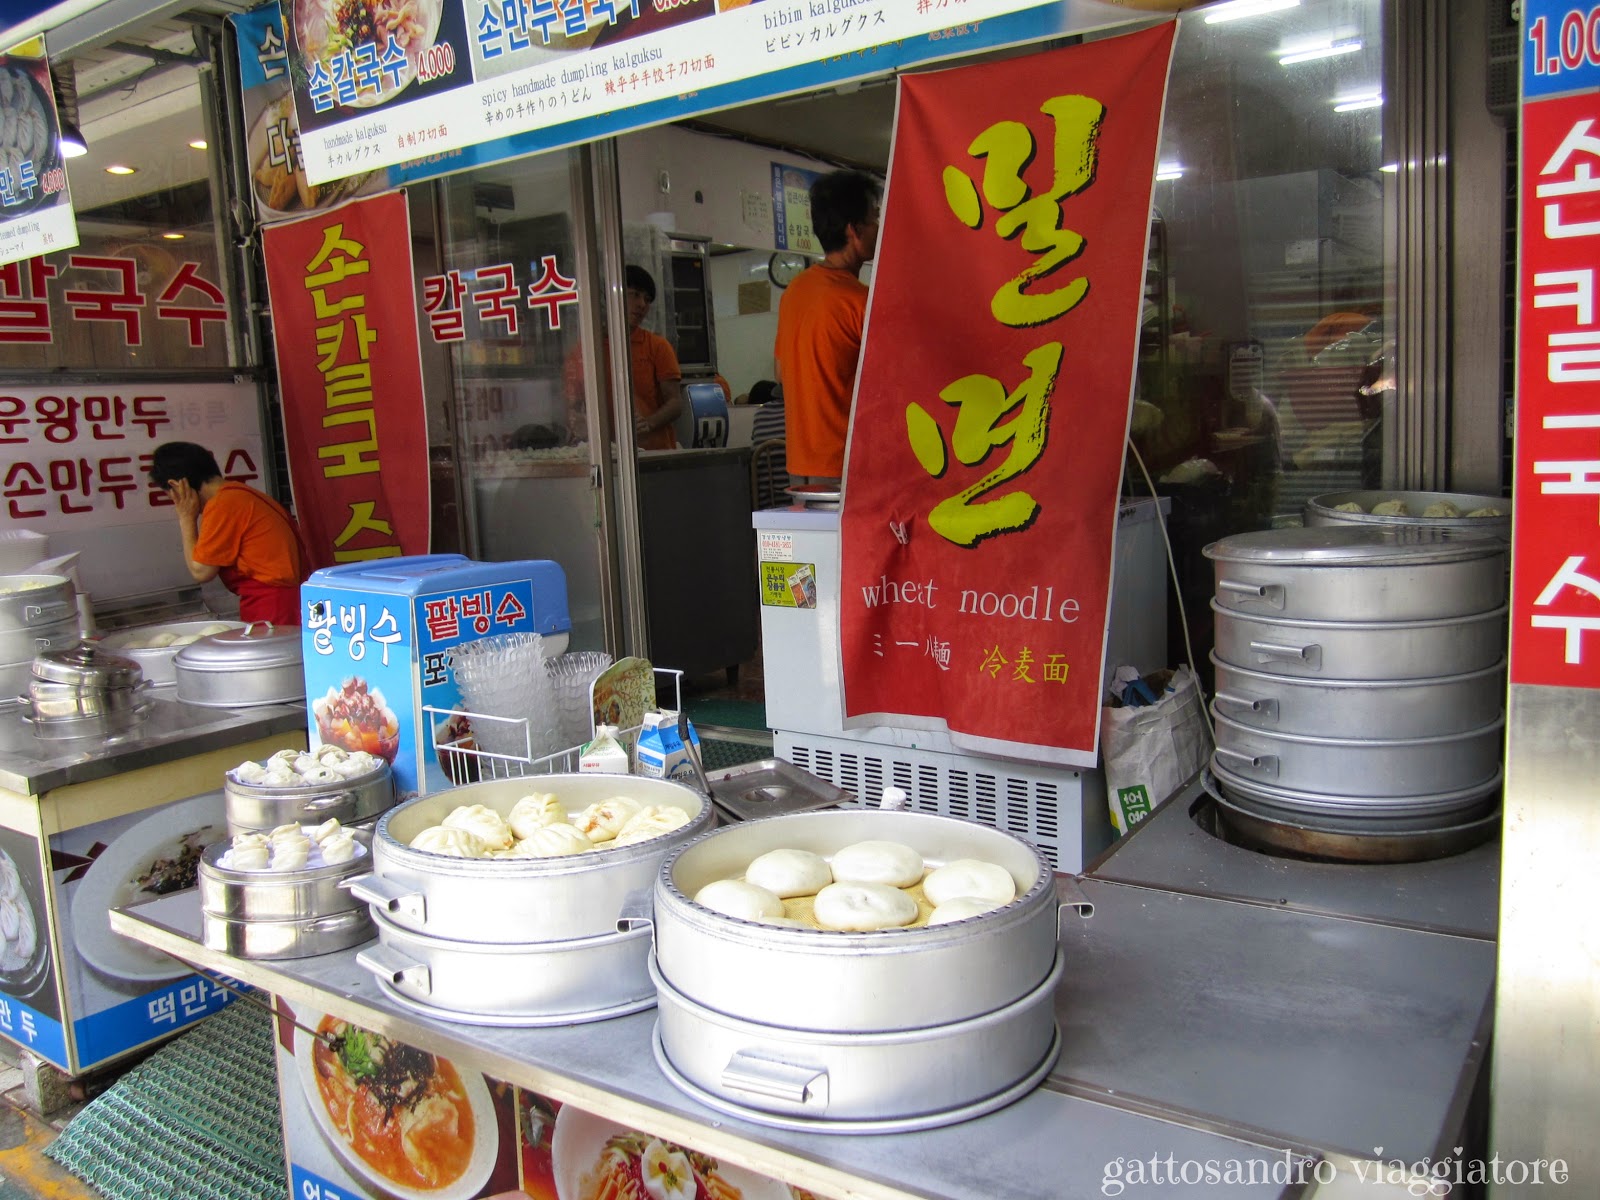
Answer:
[(839, 200), (638, 279), (193, 464), (764, 391)]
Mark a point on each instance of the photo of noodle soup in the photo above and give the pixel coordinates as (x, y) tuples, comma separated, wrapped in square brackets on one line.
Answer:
[(409, 1121)]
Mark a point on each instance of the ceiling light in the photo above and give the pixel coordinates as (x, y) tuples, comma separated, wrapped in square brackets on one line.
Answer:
[(119, 169), (198, 144), (1233, 10), (173, 237), (1168, 171), (1324, 48), (1390, 168), (71, 141), (1358, 101)]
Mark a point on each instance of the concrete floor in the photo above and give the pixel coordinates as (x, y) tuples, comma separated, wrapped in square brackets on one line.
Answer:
[(25, 1173)]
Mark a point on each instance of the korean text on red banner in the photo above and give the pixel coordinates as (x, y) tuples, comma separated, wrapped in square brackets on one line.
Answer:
[(992, 404)]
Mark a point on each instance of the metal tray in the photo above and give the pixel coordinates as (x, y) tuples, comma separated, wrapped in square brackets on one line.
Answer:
[(772, 787)]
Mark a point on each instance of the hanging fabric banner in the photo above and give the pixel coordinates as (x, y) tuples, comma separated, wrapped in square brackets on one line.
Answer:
[(992, 402), (350, 371)]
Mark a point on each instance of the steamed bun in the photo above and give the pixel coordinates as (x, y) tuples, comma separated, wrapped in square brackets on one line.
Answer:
[(1441, 508), (970, 878), (736, 898), (535, 812), (651, 821), (479, 819), (787, 873), (960, 909), (859, 907), (1391, 508), (1349, 506), (602, 821), (551, 841), (457, 843), (891, 863)]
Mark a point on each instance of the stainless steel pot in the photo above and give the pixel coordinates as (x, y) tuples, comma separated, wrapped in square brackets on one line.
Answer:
[(509, 901), (1361, 815), (1348, 573), (255, 808), (304, 937), (882, 1082), (1360, 766), (854, 982), (158, 661), (17, 645), (1360, 649), (279, 895), (259, 664), (83, 682), (1396, 708), (27, 601), (582, 979), (1321, 510)]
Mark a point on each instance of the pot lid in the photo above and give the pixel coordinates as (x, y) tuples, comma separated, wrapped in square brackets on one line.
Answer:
[(1355, 546), (87, 666), (259, 644)]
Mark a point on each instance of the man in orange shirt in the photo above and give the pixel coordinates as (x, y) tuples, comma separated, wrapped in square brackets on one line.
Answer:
[(656, 376), (819, 325), (233, 532)]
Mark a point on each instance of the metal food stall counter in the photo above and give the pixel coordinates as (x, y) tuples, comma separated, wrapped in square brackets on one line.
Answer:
[(1192, 1027), (87, 824)]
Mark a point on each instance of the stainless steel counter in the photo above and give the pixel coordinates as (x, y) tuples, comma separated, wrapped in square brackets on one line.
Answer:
[(33, 766), (1457, 895), (1191, 1026)]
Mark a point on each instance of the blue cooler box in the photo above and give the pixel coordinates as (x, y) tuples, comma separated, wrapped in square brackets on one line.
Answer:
[(378, 637)]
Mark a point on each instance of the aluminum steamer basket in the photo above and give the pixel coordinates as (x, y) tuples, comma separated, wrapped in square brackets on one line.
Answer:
[(520, 901), (256, 808), (259, 664), (1323, 510), (281, 914)]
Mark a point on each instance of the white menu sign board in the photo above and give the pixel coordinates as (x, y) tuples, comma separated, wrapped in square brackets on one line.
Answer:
[(35, 205)]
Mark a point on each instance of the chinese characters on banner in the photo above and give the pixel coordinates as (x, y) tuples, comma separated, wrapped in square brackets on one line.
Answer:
[(35, 204), (985, 452), (350, 369), (1555, 587)]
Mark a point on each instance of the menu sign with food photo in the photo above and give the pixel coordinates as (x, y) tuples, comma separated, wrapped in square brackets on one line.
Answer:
[(986, 446), (35, 203), (118, 993), (367, 1116), (30, 1006)]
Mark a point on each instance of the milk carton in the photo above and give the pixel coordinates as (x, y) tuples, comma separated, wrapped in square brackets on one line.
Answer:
[(660, 752), (604, 755)]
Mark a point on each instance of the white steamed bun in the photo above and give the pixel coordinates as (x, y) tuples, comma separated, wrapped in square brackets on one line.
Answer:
[(342, 847), (535, 811), (479, 819), (972, 878), (551, 841), (859, 907), (788, 873), (960, 909), (249, 772), (651, 821), (457, 843), (602, 821), (891, 863), (736, 898)]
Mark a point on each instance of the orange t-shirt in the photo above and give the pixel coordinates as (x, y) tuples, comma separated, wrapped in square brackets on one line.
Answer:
[(653, 361), (253, 534), (818, 349)]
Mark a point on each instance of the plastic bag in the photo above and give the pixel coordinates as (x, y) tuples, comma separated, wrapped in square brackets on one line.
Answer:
[(1153, 750)]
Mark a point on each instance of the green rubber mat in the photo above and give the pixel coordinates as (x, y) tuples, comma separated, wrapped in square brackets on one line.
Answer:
[(735, 714), (721, 754), (197, 1120)]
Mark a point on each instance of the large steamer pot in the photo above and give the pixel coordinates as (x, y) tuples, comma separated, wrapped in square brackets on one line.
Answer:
[(516, 901), (259, 664), (1321, 510), (304, 937), (834, 982), (158, 662), (28, 601), (543, 983), (254, 808), (1359, 766), (858, 1082), (1358, 815), (20, 646), (278, 895), (1348, 573), (1400, 708), (1360, 649)]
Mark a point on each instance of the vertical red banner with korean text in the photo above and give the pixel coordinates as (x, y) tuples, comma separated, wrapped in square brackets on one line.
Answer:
[(1555, 586), (992, 404), (350, 371)]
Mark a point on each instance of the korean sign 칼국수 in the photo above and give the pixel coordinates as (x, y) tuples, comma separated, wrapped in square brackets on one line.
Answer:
[(985, 452)]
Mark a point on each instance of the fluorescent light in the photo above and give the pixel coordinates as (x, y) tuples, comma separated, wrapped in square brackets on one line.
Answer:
[(1326, 48), (1390, 168), (198, 144), (1355, 103), (119, 169), (1168, 171), (1233, 10), (173, 237)]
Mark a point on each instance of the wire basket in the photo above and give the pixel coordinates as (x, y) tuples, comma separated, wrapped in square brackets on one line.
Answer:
[(466, 761)]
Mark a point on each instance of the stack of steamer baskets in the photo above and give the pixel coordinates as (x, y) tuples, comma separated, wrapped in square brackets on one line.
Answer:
[(516, 941), (784, 1023), (1360, 683)]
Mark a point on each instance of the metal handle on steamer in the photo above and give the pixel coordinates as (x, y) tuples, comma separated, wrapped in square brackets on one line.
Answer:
[(388, 963), (1263, 707), (45, 614), (1070, 898), (1310, 655), (794, 1083), (1269, 593), (637, 911), (337, 802), (1265, 764), (388, 895)]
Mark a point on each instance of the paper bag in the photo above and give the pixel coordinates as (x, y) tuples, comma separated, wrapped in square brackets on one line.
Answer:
[(1152, 751)]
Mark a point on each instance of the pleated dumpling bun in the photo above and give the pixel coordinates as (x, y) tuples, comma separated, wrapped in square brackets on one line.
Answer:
[(341, 847), (552, 841), (328, 754), (284, 758), (602, 821), (457, 843), (1391, 508), (249, 772), (535, 811), (651, 821), (787, 873), (482, 821), (319, 776), (1349, 506), (305, 762), (1441, 508), (249, 858), (891, 863), (279, 775)]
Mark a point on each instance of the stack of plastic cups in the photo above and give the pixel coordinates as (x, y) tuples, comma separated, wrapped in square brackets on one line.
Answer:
[(505, 677), (572, 676)]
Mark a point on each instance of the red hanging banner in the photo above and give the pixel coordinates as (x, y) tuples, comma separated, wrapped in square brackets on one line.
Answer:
[(350, 371), (992, 404)]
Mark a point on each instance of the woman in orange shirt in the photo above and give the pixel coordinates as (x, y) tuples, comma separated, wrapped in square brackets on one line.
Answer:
[(234, 533)]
